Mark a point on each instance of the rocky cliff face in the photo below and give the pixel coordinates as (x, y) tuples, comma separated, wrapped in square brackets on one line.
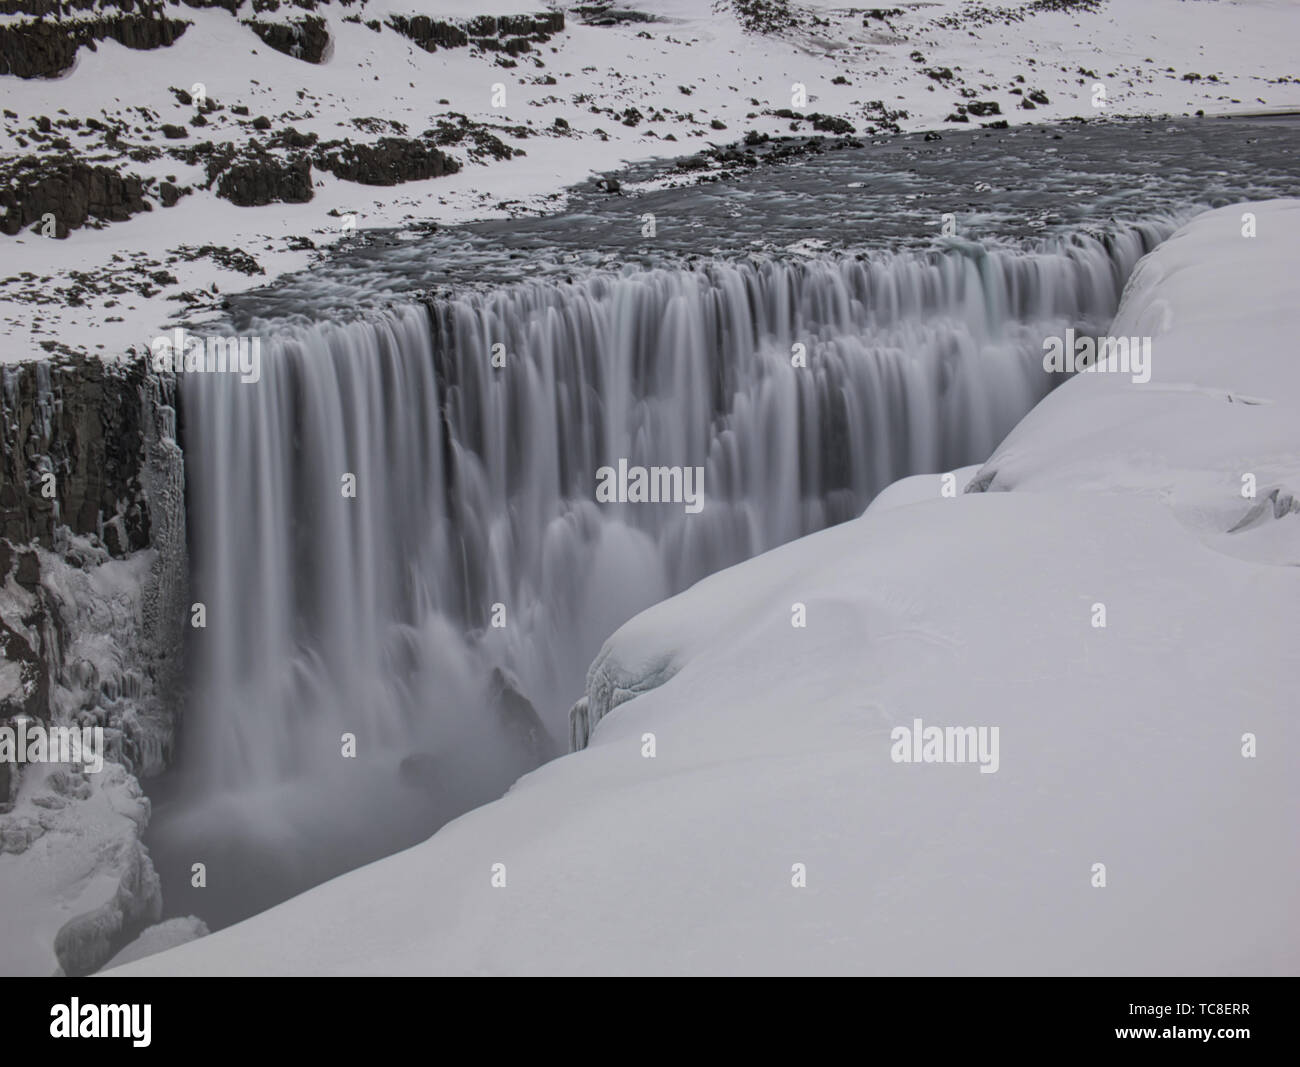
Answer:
[(46, 46), (72, 453), (62, 194), (92, 603)]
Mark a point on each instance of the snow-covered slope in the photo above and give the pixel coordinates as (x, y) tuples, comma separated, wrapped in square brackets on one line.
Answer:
[(1119, 745), (692, 75)]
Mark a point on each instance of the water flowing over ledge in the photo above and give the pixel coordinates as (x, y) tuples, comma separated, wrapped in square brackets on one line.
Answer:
[(373, 616)]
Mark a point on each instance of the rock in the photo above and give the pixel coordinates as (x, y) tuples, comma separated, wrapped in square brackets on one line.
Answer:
[(389, 161), (28, 574), (291, 138), (420, 770), (72, 191), (304, 38), (266, 180), (47, 48), (87, 639), (25, 691), (82, 420), (512, 34), (520, 721)]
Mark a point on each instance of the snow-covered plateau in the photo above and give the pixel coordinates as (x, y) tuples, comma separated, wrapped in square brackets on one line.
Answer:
[(1114, 592), (162, 156)]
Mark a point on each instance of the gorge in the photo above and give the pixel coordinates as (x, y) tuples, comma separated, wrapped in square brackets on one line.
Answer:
[(446, 614)]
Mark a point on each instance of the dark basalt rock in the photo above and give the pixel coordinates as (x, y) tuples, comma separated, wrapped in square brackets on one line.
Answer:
[(519, 720), (36, 8), (81, 420), (604, 13), (389, 161), (512, 34), (454, 128), (266, 180), (37, 49), (429, 34), (305, 38), (826, 123), (230, 5), (34, 678), (47, 48), (766, 16), (72, 191)]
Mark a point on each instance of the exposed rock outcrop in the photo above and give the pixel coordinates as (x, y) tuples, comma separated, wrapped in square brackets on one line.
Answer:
[(68, 193), (389, 161), (266, 180), (70, 452), (512, 34), (526, 735), (46, 48), (305, 38)]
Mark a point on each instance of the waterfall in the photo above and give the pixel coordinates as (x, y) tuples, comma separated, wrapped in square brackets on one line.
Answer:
[(373, 616)]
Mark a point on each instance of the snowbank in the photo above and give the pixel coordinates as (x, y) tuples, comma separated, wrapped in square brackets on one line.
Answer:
[(1120, 745), (159, 938)]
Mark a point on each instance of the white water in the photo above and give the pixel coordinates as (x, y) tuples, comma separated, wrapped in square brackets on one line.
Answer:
[(370, 616)]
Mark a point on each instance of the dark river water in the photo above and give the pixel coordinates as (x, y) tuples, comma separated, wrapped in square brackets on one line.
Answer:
[(1015, 186)]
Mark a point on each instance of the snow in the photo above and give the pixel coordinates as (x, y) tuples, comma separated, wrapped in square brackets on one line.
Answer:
[(640, 65), (918, 488), (1120, 745), (73, 869), (81, 877), (1210, 416), (160, 937)]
